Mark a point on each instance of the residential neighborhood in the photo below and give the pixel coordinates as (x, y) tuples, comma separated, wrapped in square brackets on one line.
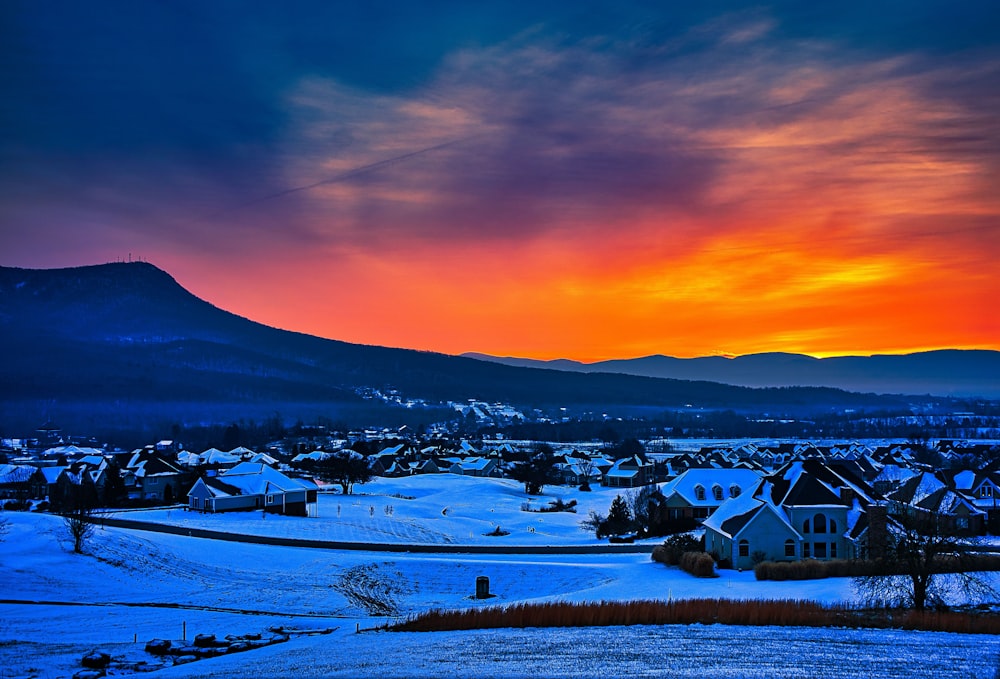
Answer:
[(750, 500)]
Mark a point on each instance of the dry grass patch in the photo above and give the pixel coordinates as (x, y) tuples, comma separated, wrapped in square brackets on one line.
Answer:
[(779, 612)]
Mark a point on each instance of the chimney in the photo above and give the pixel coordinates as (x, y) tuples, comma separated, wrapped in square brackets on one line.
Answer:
[(878, 532), (847, 495)]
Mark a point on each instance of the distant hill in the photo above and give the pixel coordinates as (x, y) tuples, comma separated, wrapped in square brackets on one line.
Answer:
[(941, 373), (124, 342)]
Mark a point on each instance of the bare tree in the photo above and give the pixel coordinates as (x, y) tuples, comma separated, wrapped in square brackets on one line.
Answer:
[(4, 527), (345, 467), (926, 559), (537, 471), (586, 466), (79, 521)]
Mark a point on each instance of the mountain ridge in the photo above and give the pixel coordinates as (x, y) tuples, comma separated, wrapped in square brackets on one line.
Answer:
[(129, 338), (941, 372)]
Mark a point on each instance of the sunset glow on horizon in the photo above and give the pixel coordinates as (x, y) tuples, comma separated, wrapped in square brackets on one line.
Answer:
[(580, 183)]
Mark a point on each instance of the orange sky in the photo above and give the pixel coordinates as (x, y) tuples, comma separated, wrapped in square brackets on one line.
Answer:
[(734, 185)]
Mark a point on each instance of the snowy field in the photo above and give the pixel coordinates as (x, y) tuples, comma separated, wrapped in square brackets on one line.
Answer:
[(119, 587), (428, 509)]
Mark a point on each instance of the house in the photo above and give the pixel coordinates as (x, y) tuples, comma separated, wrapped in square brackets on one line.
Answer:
[(152, 477), (79, 482), (629, 472), (15, 481), (474, 466), (806, 509), (696, 493), (927, 494), (984, 490), (254, 485)]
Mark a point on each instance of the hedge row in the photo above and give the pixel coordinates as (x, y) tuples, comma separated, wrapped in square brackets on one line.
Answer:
[(698, 564)]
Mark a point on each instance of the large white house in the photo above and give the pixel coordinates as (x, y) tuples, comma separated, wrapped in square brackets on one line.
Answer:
[(804, 510), (254, 485)]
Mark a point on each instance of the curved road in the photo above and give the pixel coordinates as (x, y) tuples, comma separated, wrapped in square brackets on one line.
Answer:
[(375, 546)]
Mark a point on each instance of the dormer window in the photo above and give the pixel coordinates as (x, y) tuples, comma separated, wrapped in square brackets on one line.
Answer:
[(734, 491), (699, 493), (717, 492)]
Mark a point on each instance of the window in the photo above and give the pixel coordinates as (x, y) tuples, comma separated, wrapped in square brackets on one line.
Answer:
[(744, 548), (986, 491), (789, 547), (819, 550), (699, 493), (717, 492), (819, 523), (195, 503), (805, 550), (270, 499), (833, 526), (734, 491), (833, 550), (805, 526)]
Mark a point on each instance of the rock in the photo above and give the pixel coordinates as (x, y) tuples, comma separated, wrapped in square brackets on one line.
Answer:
[(184, 659), (158, 646), (89, 674), (204, 640), (96, 660)]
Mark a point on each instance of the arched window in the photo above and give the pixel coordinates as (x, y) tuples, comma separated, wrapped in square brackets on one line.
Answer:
[(789, 547), (734, 491), (699, 492), (744, 548), (717, 492), (819, 523), (833, 526), (805, 526)]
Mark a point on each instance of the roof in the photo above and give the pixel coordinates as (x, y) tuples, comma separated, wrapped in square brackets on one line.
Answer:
[(684, 485), (255, 478), (811, 482)]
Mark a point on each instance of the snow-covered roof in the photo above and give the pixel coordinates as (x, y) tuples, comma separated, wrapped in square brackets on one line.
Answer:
[(255, 478), (746, 480), (316, 455), (216, 456), (15, 473), (473, 463), (71, 451)]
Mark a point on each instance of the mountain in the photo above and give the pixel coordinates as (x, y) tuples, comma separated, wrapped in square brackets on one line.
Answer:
[(120, 344), (950, 372)]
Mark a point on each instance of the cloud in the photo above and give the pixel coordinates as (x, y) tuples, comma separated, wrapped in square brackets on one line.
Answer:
[(753, 167)]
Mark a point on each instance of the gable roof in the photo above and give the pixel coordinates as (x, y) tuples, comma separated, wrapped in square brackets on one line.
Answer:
[(255, 478), (811, 482), (747, 480)]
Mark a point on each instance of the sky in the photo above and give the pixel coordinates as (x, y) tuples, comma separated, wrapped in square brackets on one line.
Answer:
[(583, 180)]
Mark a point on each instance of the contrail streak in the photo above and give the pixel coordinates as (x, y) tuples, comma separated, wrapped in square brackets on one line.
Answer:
[(350, 174)]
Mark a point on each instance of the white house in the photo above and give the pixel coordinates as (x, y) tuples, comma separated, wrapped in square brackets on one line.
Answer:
[(251, 485)]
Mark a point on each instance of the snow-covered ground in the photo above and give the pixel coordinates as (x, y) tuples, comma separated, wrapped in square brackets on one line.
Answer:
[(428, 509), (118, 589)]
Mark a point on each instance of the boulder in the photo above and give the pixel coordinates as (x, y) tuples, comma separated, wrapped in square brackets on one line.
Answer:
[(89, 674), (204, 640), (97, 660), (158, 646)]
